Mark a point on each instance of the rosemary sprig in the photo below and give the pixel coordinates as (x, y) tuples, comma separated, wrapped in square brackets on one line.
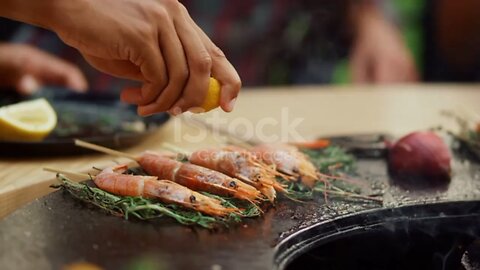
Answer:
[(248, 209), (142, 208), (333, 161)]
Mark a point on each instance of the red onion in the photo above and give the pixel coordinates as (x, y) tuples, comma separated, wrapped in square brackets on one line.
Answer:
[(420, 158)]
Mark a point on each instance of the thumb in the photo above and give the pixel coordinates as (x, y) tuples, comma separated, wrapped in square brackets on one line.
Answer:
[(27, 85)]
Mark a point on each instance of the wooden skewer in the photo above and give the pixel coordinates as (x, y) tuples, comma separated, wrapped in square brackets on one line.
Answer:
[(79, 175), (104, 150)]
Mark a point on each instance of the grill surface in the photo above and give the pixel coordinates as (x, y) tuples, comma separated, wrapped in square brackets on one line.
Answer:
[(57, 230)]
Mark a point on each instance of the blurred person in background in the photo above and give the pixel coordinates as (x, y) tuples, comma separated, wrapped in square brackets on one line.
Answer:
[(279, 42), (25, 68)]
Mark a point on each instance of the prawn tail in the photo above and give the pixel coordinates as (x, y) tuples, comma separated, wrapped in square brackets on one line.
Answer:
[(279, 187), (251, 194), (215, 209), (245, 179), (256, 206), (286, 176), (269, 192)]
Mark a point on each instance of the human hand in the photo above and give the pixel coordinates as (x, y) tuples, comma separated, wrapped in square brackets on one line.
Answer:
[(379, 54), (26, 69), (152, 41)]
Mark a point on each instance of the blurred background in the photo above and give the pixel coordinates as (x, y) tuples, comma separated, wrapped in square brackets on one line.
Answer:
[(280, 42)]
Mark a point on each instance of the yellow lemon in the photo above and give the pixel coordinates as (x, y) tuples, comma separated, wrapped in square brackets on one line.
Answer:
[(212, 100), (27, 121)]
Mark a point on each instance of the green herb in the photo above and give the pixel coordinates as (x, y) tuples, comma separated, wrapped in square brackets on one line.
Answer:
[(145, 209), (466, 134), (332, 161), (247, 209)]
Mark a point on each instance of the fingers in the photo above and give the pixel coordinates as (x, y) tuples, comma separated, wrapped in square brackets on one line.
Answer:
[(359, 67), (396, 69), (383, 73), (228, 77), (128, 70), (48, 69), (190, 59), (199, 65), (76, 80), (155, 77), (27, 85), (176, 62), (119, 68), (381, 68), (223, 71), (411, 73)]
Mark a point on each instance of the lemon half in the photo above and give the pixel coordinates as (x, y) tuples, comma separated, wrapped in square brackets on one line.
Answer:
[(27, 121), (212, 100)]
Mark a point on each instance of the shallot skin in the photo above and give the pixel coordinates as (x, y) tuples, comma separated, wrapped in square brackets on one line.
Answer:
[(421, 159)]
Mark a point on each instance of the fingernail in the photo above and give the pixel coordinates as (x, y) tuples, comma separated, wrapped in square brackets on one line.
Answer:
[(29, 84), (196, 110), (81, 89), (231, 105), (175, 111)]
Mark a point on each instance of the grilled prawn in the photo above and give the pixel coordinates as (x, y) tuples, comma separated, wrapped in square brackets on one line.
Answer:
[(192, 176), (112, 180), (290, 161), (196, 177), (239, 163)]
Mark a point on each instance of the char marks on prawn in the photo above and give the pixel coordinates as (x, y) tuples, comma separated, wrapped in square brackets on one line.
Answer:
[(112, 180), (241, 164), (291, 163), (196, 177)]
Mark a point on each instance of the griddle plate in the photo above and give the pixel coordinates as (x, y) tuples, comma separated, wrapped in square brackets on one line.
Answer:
[(57, 230)]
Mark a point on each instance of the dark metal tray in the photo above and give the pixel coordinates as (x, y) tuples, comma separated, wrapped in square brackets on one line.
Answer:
[(96, 117)]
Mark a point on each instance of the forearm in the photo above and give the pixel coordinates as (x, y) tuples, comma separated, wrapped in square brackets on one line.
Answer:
[(47, 14)]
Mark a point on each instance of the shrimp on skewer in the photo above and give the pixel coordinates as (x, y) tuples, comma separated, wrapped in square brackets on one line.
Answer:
[(290, 161), (293, 164), (113, 180), (192, 176), (197, 177), (241, 164)]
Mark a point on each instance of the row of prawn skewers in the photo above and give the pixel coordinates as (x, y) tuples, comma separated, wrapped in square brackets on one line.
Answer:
[(244, 174)]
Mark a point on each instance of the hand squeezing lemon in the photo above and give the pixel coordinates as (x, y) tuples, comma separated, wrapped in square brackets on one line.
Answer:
[(30, 120), (212, 100)]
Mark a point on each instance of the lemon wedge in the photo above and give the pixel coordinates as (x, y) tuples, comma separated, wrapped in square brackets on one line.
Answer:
[(27, 121), (212, 100)]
